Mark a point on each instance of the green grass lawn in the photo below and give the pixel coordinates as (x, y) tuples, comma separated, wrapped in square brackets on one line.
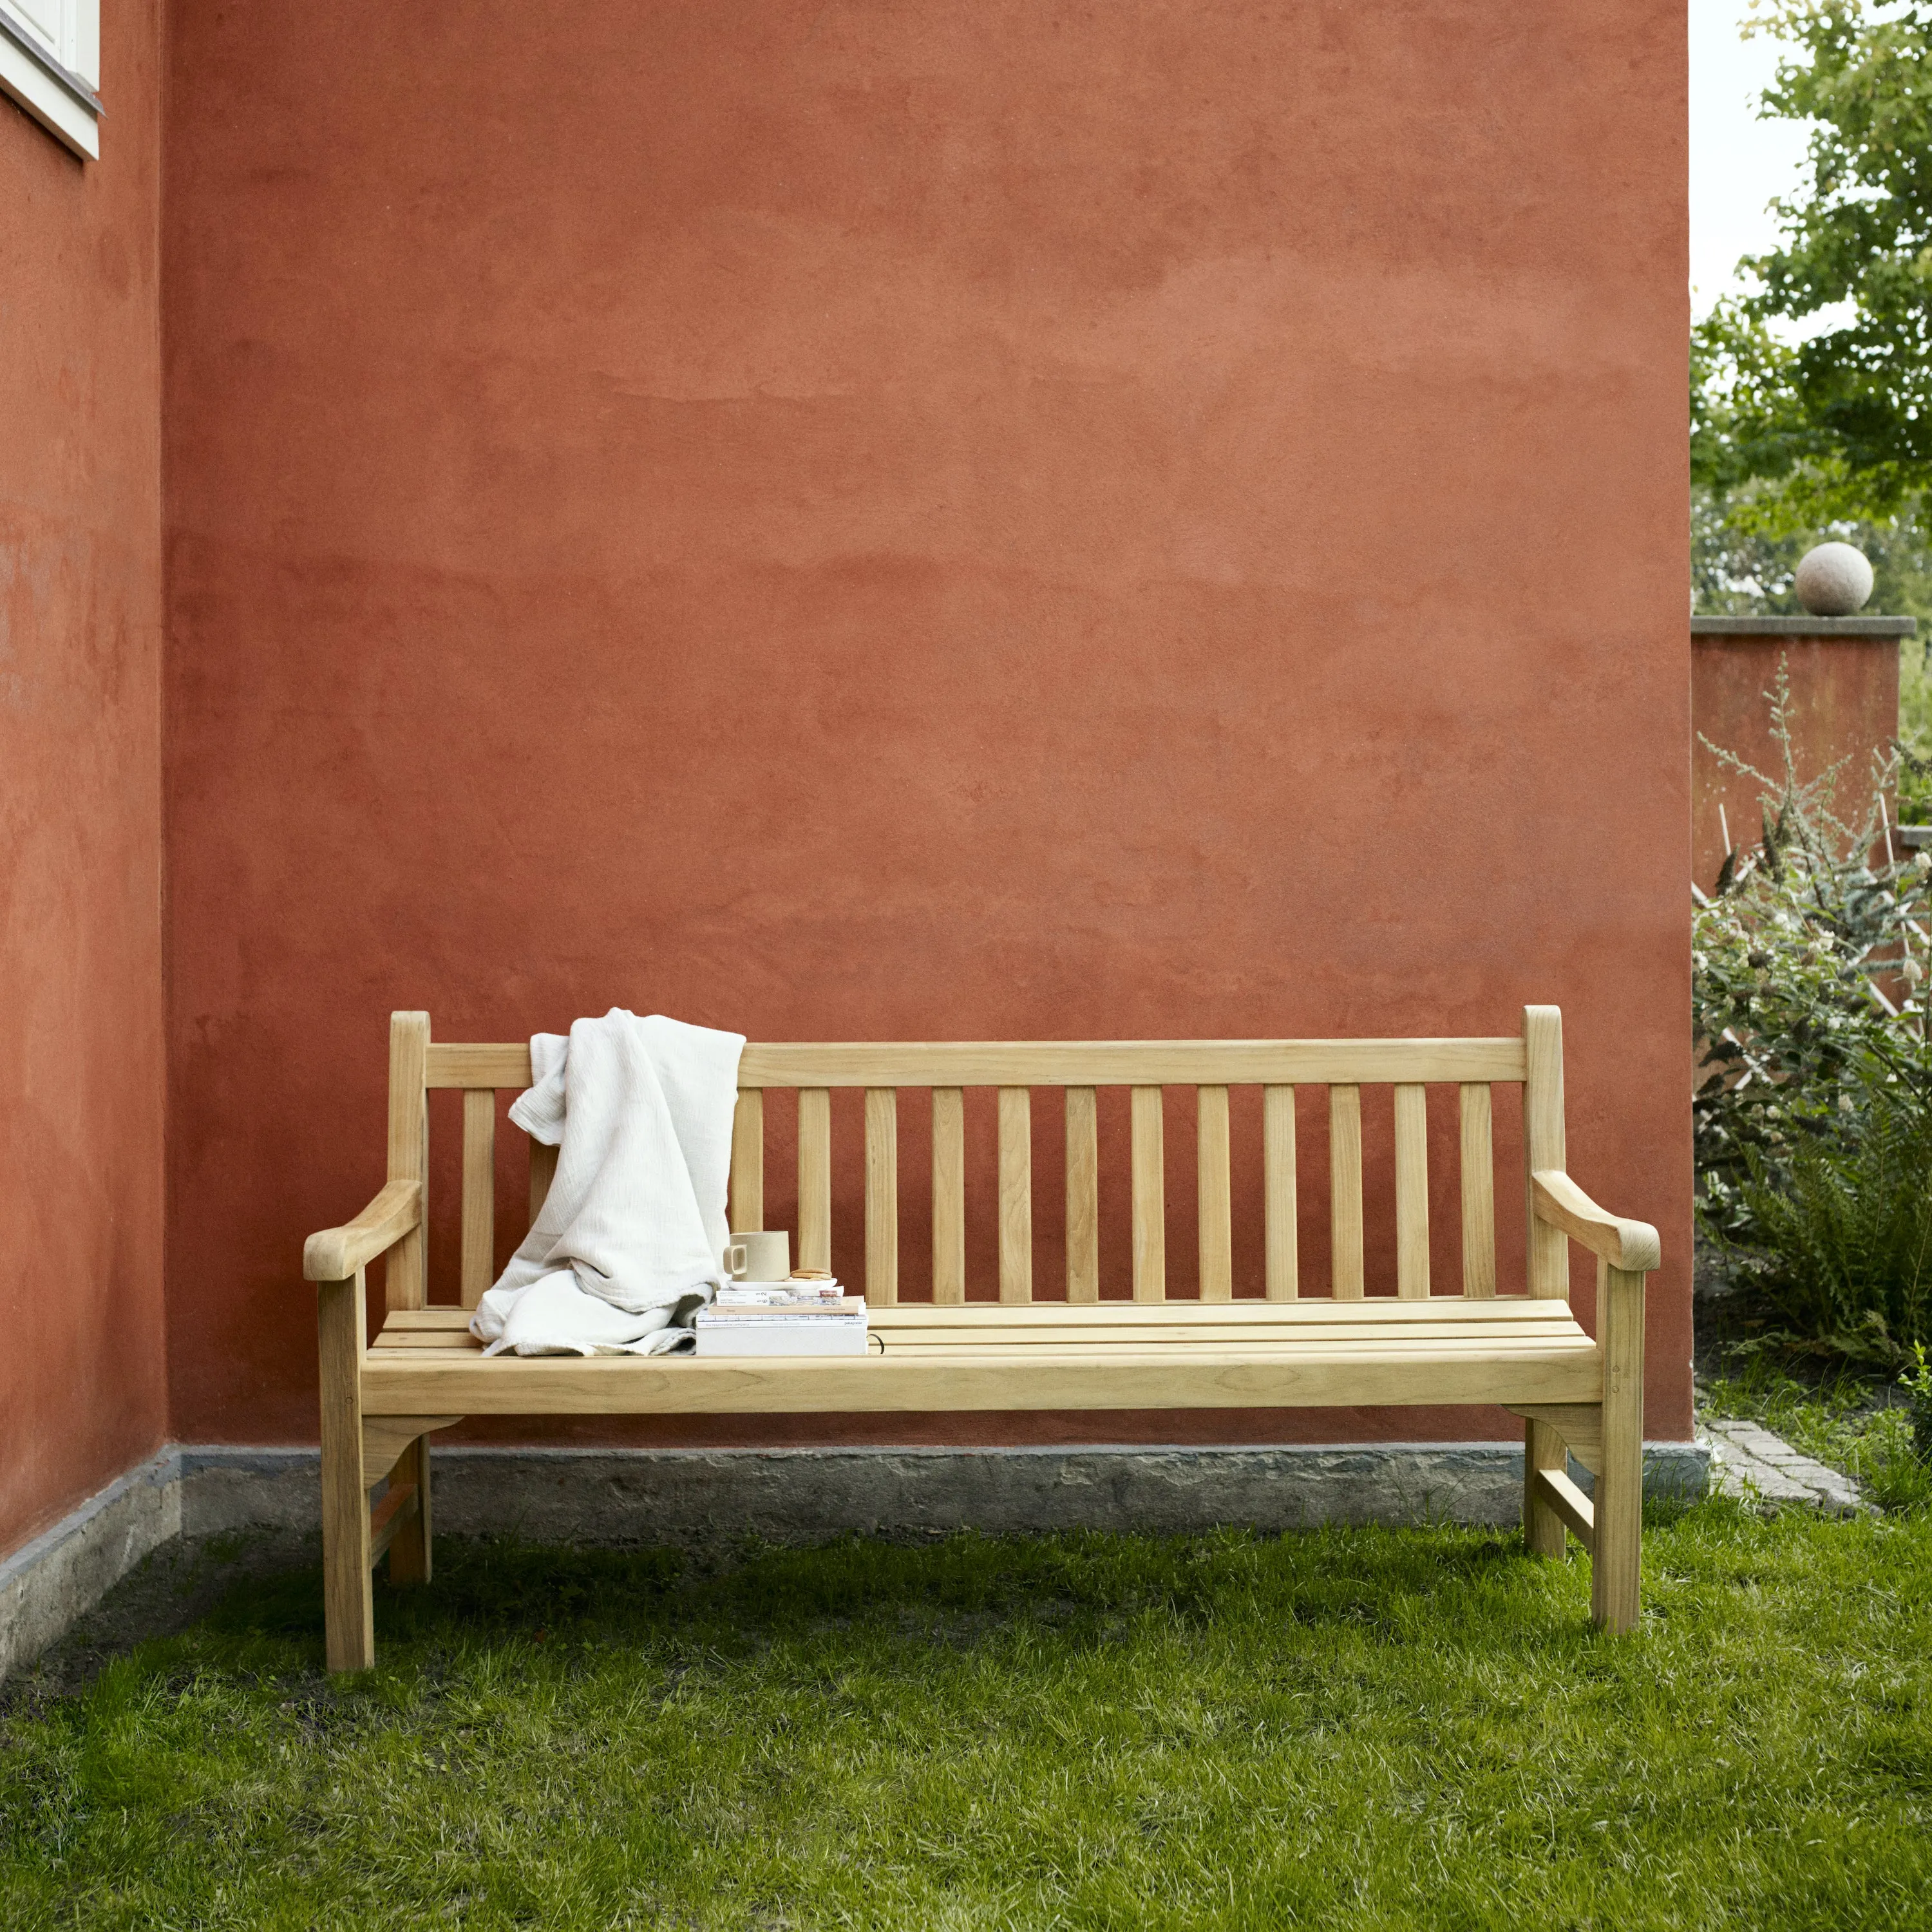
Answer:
[(1346, 1728)]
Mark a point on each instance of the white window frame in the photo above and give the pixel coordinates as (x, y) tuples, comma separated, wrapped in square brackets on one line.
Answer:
[(50, 63)]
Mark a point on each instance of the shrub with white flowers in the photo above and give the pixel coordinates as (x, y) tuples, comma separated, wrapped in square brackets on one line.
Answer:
[(1813, 1113)]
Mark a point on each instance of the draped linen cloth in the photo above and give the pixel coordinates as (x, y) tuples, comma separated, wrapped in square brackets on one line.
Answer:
[(630, 1238)]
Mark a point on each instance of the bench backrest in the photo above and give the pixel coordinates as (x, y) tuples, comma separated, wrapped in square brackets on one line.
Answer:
[(1533, 1060)]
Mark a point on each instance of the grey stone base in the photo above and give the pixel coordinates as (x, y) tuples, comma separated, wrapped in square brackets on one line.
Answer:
[(46, 1584), (785, 1496), (693, 1496)]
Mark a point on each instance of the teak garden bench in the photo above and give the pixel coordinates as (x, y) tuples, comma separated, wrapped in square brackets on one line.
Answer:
[(1526, 1351)]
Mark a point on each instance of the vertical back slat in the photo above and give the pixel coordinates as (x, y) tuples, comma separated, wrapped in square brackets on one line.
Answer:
[(1479, 1194), (815, 1177), (1543, 1144), (1149, 1191), (1212, 1189), (1015, 1194), (948, 1194), (748, 1162), (543, 1171), (407, 1273), (1278, 1194), (1411, 1192), (1083, 1194), (882, 1196), (479, 1192), (1345, 1191)]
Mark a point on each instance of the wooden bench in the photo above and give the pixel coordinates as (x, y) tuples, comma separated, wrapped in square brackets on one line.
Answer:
[(1526, 1351)]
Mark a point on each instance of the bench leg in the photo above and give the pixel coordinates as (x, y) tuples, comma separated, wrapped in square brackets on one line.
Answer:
[(349, 1610), (1619, 1498), (408, 1554), (1542, 1532)]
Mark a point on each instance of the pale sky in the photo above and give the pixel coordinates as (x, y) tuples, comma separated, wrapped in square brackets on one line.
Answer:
[(1737, 162)]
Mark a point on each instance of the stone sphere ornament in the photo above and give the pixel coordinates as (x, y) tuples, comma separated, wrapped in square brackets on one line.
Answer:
[(1834, 579)]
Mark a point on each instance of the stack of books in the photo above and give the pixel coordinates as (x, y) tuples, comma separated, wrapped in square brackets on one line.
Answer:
[(814, 1317)]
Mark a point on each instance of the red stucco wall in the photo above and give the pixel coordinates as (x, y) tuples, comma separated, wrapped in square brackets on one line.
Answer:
[(1844, 706), (82, 1371), (921, 520)]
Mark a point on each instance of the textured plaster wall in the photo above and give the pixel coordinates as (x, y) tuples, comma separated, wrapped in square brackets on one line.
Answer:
[(967, 519), (82, 1372)]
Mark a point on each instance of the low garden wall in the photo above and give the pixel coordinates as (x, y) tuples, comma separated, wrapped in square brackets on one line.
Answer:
[(1843, 674)]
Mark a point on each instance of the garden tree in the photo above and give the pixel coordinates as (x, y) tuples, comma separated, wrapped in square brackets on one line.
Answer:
[(1838, 428), (1790, 445)]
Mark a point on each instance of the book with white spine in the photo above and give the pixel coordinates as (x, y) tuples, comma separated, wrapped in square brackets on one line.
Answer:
[(848, 1308), (784, 1318), (843, 1335)]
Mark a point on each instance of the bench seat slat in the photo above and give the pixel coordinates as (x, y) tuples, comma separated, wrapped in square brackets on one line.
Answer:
[(950, 1380), (1378, 1312), (1125, 1335), (425, 1338), (1101, 1353), (998, 1336), (1101, 1338), (1310, 1312), (1072, 1350), (1234, 1335)]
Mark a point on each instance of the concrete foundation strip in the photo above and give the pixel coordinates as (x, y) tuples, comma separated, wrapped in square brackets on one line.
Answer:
[(695, 1496)]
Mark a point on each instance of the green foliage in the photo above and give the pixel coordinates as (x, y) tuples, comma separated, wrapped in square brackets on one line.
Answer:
[(1837, 1424), (1813, 1119), (1355, 1729), (1792, 957), (1918, 1386), (1785, 1022), (1841, 423), (1842, 1240)]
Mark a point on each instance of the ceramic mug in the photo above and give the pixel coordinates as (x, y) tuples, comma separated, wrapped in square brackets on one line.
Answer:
[(759, 1257)]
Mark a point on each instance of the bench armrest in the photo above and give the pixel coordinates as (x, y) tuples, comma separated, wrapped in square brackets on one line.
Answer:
[(1631, 1246), (336, 1253)]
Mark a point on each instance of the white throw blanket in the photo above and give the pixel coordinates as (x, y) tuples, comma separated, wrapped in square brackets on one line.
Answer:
[(634, 1225)]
